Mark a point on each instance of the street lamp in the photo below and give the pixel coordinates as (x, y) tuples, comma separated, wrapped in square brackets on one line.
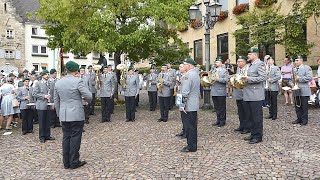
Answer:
[(213, 10)]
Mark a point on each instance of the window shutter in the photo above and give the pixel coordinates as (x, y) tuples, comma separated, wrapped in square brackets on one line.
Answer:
[(18, 54), (2, 53)]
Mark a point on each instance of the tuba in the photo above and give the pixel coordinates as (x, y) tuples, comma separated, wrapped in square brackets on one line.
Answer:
[(236, 80), (123, 73), (97, 69)]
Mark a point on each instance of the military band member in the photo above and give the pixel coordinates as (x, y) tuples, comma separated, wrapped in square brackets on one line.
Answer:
[(303, 74), (164, 93), (179, 79), (93, 89), (173, 75), (253, 94), (273, 77), (69, 93), (244, 127), (87, 84), (131, 91), (190, 91), (107, 88), (219, 93), (54, 120), (41, 91), (116, 83), (24, 96), (152, 89)]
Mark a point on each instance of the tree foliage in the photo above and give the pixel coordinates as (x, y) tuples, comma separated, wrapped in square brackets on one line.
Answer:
[(269, 27), (130, 27)]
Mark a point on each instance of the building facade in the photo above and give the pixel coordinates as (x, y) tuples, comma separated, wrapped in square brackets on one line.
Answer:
[(223, 42)]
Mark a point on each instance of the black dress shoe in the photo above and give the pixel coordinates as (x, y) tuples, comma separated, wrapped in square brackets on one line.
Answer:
[(30, 132), (246, 131), (127, 120), (216, 124), (24, 133), (42, 140), (303, 124), (86, 121), (248, 138), (66, 167), (255, 141), (133, 120), (165, 120), (221, 125), (296, 122), (91, 113), (180, 134), (274, 118), (238, 129), (269, 117), (186, 150), (50, 138), (160, 120), (81, 163)]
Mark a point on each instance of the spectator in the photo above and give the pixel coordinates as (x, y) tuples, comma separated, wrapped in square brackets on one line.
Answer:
[(286, 81)]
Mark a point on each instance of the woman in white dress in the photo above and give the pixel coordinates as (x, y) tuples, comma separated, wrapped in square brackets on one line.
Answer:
[(8, 94)]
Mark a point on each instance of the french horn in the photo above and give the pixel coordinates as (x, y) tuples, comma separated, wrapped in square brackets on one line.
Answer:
[(123, 70)]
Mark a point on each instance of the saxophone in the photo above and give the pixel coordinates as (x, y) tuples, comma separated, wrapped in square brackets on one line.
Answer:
[(123, 78)]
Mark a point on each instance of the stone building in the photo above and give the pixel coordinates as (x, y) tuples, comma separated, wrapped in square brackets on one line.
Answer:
[(223, 43)]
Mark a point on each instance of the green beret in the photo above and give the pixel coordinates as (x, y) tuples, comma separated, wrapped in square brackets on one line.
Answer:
[(219, 58), (164, 65), (242, 57), (189, 61), (72, 66), (82, 68), (25, 71), (20, 75), (11, 74), (52, 71), (44, 72), (25, 79), (130, 68), (253, 50), (90, 66)]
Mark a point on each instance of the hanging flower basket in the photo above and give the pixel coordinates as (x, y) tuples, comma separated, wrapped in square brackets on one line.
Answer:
[(264, 3), (223, 15), (241, 8)]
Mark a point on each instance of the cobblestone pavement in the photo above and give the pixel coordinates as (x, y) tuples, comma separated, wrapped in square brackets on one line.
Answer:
[(147, 149)]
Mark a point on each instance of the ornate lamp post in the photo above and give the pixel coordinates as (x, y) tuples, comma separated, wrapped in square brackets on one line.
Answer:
[(210, 18)]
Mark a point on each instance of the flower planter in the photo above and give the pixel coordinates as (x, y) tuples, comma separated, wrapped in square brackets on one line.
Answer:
[(241, 8), (223, 15), (264, 3)]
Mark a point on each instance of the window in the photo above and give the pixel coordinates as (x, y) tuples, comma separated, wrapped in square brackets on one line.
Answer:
[(35, 31), (9, 33), (242, 2), (43, 50), (198, 51), (35, 50), (224, 4), (5, 7), (9, 54), (223, 46), (111, 55), (36, 67), (43, 67)]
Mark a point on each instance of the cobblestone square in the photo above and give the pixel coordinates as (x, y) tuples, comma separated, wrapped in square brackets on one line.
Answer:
[(147, 149)]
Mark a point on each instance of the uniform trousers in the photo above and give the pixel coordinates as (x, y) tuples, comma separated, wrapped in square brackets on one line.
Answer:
[(106, 107), (190, 120), (44, 124), (112, 104), (164, 103), (92, 103), (86, 112), (137, 100), (220, 107), (255, 116), (302, 111), (130, 107), (243, 115), (152, 100), (72, 133), (182, 115), (53, 118), (172, 99), (273, 103), (27, 123)]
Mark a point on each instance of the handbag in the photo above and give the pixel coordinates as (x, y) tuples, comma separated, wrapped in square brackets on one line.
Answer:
[(15, 103)]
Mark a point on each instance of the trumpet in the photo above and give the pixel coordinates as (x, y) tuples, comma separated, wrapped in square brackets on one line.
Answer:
[(96, 69), (123, 70)]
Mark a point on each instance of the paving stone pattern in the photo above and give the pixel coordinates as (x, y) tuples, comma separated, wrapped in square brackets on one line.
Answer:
[(147, 149)]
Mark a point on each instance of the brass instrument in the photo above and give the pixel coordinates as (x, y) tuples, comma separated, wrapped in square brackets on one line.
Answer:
[(123, 73), (236, 80), (208, 78), (96, 69), (295, 89), (160, 83)]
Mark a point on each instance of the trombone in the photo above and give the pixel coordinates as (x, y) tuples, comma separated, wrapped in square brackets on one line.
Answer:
[(295, 88)]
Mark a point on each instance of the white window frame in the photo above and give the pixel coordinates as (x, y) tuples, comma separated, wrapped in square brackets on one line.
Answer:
[(10, 33), (37, 33), (39, 50), (9, 54), (36, 64)]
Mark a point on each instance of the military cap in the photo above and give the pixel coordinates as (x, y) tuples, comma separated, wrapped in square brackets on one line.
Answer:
[(20, 75), (253, 50), (81, 68), (189, 61), (164, 65), (25, 71), (90, 66), (72, 66), (131, 68), (299, 57), (44, 72), (242, 57), (52, 71), (11, 74), (25, 79), (219, 58)]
